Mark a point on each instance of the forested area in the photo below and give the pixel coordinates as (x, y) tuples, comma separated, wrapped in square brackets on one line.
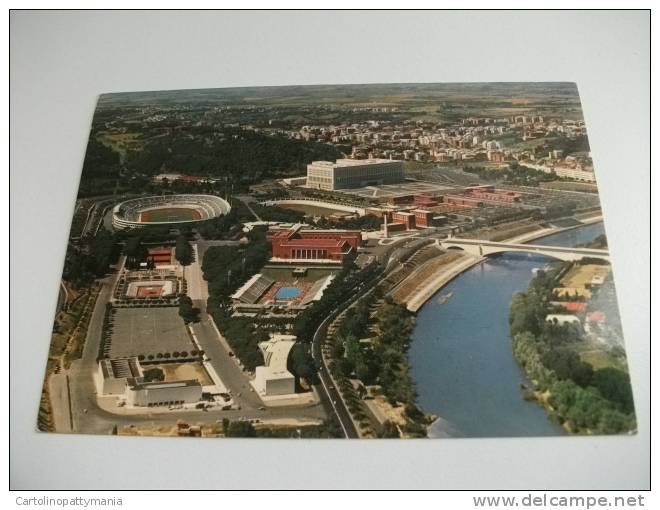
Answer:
[(226, 226), (101, 168), (382, 360), (365, 223), (241, 155), (238, 157), (581, 398), (90, 259)]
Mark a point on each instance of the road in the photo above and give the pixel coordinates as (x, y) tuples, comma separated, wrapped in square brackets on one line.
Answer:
[(59, 396), (329, 394), (237, 381)]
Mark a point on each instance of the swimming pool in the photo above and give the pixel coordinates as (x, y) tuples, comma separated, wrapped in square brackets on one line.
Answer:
[(287, 293)]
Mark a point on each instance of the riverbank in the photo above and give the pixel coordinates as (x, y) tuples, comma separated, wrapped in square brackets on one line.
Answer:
[(423, 293)]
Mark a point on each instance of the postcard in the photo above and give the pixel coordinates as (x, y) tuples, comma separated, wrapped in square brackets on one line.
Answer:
[(339, 261)]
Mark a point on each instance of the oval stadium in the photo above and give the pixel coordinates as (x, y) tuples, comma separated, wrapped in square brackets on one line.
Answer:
[(167, 210)]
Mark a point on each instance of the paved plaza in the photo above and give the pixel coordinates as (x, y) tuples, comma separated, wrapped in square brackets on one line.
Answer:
[(148, 331)]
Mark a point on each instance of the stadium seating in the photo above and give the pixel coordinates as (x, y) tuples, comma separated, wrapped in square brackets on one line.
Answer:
[(127, 214)]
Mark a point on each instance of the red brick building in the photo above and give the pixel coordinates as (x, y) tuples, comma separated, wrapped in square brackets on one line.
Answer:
[(160, 256), (423, 218), (408, 219), (425, 201), (490, 194), (298, 244), (464, 201), (400, 200)]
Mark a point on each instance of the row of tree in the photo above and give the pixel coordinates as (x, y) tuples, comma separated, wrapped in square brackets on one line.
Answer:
[(183, 251)]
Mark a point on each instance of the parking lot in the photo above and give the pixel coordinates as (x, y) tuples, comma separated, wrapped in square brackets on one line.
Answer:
[(148, 331)]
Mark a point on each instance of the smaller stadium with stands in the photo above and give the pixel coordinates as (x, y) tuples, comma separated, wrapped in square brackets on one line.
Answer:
[(284, 287)]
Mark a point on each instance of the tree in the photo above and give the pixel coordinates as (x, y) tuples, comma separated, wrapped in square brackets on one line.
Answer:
[(240, 429), (135, 251), (153, 374), (187, 311), (183, 251), (301, 363), (567, 365), (614, 385), (389, 430)]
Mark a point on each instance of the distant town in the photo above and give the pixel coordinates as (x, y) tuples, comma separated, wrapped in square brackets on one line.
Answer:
[(280, 262)]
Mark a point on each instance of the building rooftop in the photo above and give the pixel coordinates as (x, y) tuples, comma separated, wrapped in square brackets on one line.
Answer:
[(354, 162), (316, 243), (119, 368), (276, 352), (136, 384)]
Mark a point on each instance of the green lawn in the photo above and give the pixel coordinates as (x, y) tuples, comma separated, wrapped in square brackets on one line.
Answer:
[(601, 359), (170, 214)]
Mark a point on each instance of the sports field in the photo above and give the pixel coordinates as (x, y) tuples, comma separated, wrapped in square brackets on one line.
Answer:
[(170, 214)]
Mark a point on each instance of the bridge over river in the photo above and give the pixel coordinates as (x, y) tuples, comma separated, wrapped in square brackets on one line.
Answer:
[(482, 248)]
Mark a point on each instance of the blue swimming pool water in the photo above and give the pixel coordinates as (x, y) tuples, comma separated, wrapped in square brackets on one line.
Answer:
[(287, 293)]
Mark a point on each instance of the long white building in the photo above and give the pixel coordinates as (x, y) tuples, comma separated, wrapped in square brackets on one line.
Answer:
[(145, 394), (124, 378), (353, 173)]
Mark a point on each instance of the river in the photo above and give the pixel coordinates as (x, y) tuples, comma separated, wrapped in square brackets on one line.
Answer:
[(460, 356)]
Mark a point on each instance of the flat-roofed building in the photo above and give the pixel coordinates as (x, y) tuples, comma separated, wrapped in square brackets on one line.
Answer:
[(406, 218), (353, 173), (575, 173), (295, 181), (147, 394), (274, 378), (423, 218), (425, 200), (113, 374), (160, 256), (317, 245)]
